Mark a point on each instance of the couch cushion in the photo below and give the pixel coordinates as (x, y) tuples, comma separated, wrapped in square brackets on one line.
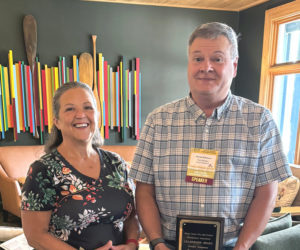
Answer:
[(277, 224), (284, 239), (287, 191)]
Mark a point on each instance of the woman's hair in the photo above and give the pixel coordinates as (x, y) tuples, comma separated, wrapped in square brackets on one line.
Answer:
[(213, 31), (55, 137)]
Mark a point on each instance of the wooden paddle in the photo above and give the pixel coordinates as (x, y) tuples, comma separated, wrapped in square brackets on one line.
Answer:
[(95, 90), (86, 73), (86, 69), (30, 39), (94, 37)]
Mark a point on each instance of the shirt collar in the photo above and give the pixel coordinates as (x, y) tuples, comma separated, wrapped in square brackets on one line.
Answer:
[(219, 111), (197, 112)]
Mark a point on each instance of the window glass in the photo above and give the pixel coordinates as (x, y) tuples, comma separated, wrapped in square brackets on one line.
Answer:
[(288, 49), (285, 110)]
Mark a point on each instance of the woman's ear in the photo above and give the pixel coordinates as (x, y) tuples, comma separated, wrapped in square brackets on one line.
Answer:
[(98, 119), (56, 123)]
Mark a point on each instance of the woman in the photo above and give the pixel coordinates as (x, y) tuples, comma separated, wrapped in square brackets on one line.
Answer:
[(77, 196)]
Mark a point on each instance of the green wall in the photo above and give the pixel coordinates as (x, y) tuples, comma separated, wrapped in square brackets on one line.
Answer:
[(158, 35)]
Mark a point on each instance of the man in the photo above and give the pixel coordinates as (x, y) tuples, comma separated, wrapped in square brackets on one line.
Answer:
[(209, 154)]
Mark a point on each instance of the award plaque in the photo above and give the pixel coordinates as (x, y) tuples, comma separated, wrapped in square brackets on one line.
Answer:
[(199, 232)]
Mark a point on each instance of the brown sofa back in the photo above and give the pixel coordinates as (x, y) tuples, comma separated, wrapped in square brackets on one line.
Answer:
[(15, 160), (125, 151)]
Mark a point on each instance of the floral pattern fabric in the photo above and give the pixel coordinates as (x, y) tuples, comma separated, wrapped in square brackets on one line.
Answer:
[(86, 212)]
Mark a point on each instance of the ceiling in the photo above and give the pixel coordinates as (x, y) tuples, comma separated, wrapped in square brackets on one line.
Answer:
[(228, 5)]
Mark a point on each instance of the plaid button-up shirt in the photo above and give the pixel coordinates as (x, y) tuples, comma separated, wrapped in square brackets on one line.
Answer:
[(250, 155)]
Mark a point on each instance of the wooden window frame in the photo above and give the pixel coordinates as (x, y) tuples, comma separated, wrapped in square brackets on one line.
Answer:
[(269, 69)]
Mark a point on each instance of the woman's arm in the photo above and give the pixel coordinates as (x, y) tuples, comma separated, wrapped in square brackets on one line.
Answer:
[(131, 230), (36, 225), (131, 227)]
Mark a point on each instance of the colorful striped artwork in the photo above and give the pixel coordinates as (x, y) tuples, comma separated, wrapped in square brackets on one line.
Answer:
[(118, 88)]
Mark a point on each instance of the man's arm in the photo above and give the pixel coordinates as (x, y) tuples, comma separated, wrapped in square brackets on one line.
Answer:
[(258, 215), (148, 212)]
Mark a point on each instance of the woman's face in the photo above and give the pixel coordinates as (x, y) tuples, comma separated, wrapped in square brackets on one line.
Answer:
[(77, 117)]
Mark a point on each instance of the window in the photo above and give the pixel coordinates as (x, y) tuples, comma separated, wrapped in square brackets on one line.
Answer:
[(280, 74)]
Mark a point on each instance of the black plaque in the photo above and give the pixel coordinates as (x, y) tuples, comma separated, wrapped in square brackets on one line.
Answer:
[(199, 232)]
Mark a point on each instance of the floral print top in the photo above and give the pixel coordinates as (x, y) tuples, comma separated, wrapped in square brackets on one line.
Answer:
[(86, 212)]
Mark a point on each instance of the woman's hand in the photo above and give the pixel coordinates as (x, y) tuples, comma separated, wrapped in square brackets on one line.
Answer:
[(129, 246), (107, 246)]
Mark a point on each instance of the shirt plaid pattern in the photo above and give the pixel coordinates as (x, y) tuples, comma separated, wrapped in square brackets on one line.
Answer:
[(250, 155)]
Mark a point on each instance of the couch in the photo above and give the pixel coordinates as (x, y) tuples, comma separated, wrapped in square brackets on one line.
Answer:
[(15, 162), (280, 233)]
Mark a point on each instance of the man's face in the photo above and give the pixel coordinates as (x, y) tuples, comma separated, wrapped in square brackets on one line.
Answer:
[(211, 68)]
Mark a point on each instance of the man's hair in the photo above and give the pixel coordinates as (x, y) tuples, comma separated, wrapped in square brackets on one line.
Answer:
[(55, 137), (213, 31)]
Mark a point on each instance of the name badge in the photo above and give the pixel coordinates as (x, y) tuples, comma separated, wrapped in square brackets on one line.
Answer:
[(202, 166)]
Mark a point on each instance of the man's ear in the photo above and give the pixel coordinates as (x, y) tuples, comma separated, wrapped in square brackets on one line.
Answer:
[(235, 65)]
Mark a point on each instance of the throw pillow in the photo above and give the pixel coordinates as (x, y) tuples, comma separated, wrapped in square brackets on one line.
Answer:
[(287, 191), (297, 200), (283, 239), (277, 224), (296, 172)]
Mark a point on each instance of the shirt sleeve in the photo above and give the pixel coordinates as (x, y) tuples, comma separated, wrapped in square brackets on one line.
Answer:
[(141, 169), (272, 161), (38, 192)]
